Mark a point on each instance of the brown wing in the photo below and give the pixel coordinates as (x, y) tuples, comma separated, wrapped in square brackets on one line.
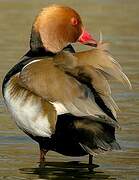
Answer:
[(94, 68), (48, 81), (103, 62), (100, 67)]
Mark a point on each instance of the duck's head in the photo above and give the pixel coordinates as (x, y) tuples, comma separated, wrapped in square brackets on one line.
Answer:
[(57, 26)]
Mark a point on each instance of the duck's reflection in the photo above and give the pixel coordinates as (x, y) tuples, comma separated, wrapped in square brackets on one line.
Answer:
[(65, 171)]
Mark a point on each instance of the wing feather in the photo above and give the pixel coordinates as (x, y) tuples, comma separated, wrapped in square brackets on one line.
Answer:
[(78, 81), (95, 67), (53, 84), (103, 62)]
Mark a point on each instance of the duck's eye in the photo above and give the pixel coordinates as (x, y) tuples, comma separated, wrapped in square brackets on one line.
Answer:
[(74, 21)]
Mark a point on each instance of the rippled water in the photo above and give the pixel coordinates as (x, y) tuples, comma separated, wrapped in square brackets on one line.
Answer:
[(119, 22)]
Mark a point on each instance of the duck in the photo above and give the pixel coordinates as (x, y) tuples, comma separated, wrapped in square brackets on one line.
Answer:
[(61, 98)]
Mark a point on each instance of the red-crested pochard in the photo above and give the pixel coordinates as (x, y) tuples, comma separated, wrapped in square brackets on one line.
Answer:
[(62, 98)]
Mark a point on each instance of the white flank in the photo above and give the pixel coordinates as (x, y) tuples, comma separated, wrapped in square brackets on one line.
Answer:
[(28, 115)]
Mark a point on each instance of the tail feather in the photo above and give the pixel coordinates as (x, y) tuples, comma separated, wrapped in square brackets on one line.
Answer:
[(101, 143), (96, 137), (115, 146)]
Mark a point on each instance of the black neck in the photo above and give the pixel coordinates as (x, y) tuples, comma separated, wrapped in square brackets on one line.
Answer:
[(40, 52)]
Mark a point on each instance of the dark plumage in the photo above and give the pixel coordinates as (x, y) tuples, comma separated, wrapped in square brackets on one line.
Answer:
[(78, 136)]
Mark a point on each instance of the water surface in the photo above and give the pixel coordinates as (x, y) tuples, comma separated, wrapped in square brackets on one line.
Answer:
[(118, 20)]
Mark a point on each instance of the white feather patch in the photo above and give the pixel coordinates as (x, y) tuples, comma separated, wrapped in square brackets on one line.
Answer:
[(60, 108), (28, 115)]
